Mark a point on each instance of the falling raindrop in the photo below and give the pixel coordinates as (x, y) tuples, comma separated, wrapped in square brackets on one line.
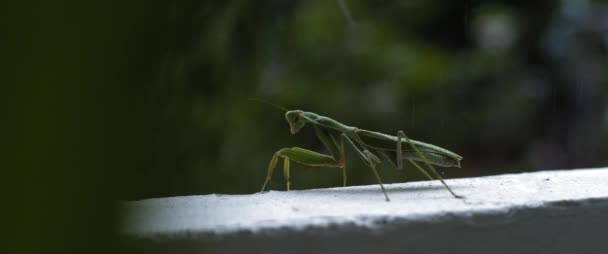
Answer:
[(466, 17), (553, 100), (346, 13), (413, 113), (579, 90)]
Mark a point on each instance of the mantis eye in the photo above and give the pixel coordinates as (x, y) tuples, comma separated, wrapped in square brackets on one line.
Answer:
[(295, 119)]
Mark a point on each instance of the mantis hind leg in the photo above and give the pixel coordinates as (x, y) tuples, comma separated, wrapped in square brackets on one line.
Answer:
[(400, 135), (301, 156)]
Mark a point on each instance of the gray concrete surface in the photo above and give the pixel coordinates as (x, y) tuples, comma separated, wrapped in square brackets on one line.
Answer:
[(543, 212)]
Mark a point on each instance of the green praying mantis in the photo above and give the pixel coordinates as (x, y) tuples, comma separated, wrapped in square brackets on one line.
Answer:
[(366, 144)]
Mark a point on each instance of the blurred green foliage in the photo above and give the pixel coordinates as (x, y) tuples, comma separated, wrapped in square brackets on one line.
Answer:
[(479, 78), (147, 99)]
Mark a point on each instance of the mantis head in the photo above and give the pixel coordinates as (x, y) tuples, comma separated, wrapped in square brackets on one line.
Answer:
[(296, 120)]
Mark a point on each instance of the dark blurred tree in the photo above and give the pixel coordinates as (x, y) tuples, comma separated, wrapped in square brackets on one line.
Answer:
[(76, 85)]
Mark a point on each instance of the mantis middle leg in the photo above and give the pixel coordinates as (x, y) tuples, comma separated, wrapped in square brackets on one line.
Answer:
[(369, 158)]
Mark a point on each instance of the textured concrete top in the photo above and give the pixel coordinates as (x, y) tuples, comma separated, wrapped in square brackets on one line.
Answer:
[(360, 206)]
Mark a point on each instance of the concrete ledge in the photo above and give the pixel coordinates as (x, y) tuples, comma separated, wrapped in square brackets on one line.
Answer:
[(541, 212)]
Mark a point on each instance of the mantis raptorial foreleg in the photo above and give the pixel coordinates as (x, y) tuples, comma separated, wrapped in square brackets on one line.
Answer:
[(299, 155), (400, 135), (310, 158), (286, 172), (271, 166)]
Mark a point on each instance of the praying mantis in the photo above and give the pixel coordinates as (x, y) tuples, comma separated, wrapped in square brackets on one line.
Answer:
[(364, 142)]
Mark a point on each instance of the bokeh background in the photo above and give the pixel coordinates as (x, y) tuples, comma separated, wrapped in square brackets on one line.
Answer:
[(511, 86), (131, 100)]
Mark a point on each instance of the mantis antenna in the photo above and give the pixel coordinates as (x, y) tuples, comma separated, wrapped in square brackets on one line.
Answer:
[(269, 103), (281, 108)]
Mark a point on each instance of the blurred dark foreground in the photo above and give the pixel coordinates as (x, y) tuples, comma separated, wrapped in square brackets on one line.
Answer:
[(130, 100)]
